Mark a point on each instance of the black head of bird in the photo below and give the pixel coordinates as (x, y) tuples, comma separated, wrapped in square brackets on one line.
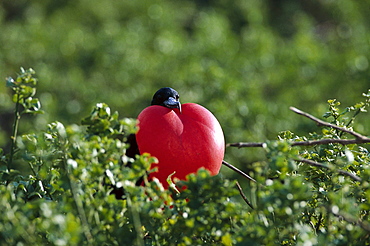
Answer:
[(167, 97)]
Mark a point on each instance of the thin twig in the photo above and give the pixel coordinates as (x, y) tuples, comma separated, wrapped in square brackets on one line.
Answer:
[(305, 143), (238, 171), (358, 137), (330, 141), (17, 117), (136, 221), (243, 195), (243, 145), (349, 218), (323, 123), (78, 202), (316, 164)]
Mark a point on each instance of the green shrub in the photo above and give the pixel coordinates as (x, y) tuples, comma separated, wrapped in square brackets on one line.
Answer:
[(304, 195)]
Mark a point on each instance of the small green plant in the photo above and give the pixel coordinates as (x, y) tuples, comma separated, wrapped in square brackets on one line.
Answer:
[(24, 88)]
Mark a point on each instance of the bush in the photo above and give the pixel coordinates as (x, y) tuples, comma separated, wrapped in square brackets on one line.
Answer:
[(247, 62), (309, 191)]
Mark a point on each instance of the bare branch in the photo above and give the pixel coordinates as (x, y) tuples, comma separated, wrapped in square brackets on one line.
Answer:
[(323, 123), (238, 171), (349, 218), (243, 145), (329, 141), (305, 143), (243, 195), (358, 137), (316, 164)]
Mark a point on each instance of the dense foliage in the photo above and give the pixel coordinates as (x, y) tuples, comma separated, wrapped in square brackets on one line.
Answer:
[(67, 199)]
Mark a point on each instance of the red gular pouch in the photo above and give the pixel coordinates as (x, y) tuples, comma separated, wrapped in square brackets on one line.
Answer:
[(182, 141)]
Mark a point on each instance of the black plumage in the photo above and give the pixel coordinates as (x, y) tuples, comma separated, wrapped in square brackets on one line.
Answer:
[(166, 97)]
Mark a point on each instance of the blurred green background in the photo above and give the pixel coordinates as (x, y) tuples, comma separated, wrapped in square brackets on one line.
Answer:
[(247, 61)]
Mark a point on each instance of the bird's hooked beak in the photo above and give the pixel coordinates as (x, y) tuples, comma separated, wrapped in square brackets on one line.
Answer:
[(172, 103)]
